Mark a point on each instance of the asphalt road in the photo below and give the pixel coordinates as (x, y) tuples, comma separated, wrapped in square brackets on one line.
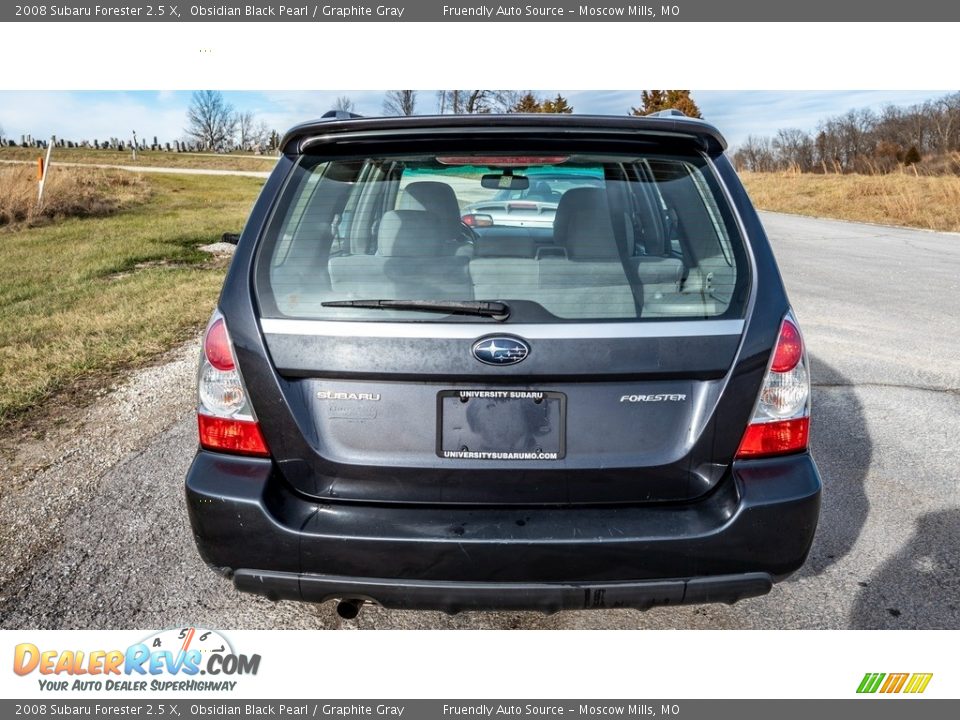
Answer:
[(93, 530)]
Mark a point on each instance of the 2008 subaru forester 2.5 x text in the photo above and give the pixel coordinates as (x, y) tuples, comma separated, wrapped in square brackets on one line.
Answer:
[(403, 402)]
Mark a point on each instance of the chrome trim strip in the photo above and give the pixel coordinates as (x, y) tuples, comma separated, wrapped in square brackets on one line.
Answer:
[(471, 331)]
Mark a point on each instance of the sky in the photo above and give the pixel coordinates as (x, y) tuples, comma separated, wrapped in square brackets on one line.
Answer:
[(98, 115)]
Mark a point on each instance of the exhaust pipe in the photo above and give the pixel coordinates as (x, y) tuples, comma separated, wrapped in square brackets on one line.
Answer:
[(349, 608)]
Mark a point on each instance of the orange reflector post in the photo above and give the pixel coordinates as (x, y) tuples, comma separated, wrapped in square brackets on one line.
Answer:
[(39, 169)]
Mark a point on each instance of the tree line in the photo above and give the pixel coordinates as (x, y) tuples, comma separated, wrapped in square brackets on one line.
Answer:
[(467, 102), (214, 125), (864, 141)]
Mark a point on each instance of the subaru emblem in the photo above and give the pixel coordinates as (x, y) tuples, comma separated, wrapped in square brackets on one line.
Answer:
[(500, 350)]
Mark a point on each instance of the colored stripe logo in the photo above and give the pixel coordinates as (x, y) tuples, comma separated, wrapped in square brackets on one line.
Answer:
[(913, 683)]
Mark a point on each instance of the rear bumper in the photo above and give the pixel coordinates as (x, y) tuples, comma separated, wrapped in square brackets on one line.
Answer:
[(755, 528), (454, 597)]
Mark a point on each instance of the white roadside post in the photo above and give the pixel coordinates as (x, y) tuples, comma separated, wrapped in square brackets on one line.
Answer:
[(134, 145), (46, 169)]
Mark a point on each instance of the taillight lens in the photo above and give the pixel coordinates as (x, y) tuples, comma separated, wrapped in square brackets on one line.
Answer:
[(789, 350), (231, 435), (221, 393), (775, 438), (225, 416), (781, 421), (217, 347), (477, 220)]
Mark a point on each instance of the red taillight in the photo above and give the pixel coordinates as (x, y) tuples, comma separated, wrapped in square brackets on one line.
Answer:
[(477, 220), (233, 436), (789, 350), (775, 438), (216, 346), (781, 419)]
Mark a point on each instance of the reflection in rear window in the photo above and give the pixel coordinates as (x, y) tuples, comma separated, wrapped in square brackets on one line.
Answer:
[(560, 238)]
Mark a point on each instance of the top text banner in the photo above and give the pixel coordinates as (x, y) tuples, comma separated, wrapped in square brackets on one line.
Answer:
[(437, 11)]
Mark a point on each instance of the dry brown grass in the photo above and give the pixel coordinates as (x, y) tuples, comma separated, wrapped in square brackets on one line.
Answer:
[(902, 198), (145, 158), (69, 192), (83, 297)]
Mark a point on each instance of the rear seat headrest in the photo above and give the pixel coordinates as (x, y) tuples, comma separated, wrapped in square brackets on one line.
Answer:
[(436, 197), (410, 233), (582, 225)]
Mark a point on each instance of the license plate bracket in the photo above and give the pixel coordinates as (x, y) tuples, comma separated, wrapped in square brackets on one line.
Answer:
[(501, 424)]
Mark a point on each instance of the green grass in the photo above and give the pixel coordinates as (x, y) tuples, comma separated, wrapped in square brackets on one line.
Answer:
[(83, 297), (233, 161)]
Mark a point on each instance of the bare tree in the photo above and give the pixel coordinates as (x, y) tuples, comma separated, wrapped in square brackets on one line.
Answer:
[(400, 102), (471, 102), (211, 122), (245, 130), (756, 154), (946, 122), (450, 101), (344, 104), (794, 149), (261, 137)]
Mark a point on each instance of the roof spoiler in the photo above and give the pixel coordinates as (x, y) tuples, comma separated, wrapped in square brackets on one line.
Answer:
[(338, 124)]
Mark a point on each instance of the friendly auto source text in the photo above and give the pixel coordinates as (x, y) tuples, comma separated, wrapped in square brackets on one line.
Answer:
[(529, 709), (488, 11)]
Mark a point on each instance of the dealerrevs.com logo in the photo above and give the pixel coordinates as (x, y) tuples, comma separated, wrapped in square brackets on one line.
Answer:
[(179, 659)]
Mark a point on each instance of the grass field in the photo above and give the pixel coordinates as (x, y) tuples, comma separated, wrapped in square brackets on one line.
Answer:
[(144, 158), (896, 199), (83, 297)]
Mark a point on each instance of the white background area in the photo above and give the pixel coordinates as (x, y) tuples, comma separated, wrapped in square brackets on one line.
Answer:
[(303, 56)]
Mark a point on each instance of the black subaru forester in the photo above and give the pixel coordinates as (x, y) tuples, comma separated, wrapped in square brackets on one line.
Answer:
[(596, 396)]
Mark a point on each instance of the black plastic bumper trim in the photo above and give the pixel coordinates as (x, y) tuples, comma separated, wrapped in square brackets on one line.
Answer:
[(454, 597)]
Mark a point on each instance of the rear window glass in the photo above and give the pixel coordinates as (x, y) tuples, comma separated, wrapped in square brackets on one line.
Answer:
[(555, 238)]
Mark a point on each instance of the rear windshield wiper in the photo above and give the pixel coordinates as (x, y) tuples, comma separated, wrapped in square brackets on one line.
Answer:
[(483, 308)]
